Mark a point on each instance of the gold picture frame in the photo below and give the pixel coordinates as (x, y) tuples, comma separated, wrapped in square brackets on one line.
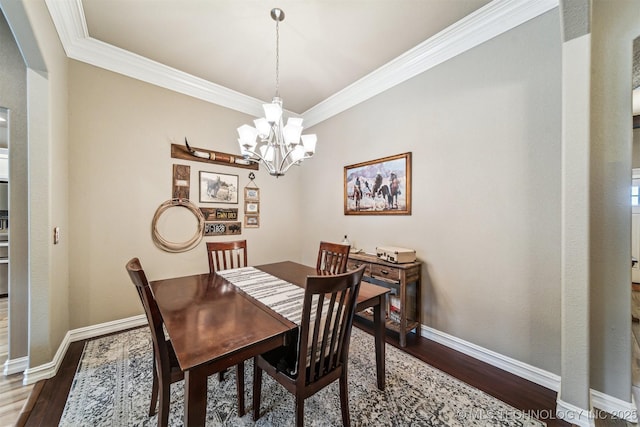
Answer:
[(378, 187)]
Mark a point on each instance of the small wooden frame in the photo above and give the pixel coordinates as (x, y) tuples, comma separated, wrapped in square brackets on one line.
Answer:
[(251, 207), (226, 159), (222, 228), (252, 221), (251, 194)]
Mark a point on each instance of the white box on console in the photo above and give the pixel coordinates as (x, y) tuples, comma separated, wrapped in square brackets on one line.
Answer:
[(395, 254)]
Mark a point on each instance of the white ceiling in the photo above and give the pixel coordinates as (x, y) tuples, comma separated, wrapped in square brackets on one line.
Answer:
[(333, 53)]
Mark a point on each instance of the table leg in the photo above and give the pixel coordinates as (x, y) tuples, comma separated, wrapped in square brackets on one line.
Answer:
[(195, 399), (379, 320)]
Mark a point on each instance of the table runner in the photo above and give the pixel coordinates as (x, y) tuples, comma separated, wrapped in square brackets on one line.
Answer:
[(282, 297), (279, 295)]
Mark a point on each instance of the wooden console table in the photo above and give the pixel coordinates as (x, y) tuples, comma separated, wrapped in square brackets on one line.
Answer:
[(404, 282)]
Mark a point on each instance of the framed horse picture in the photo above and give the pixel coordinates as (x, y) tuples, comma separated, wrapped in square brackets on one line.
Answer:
[(378, 187)]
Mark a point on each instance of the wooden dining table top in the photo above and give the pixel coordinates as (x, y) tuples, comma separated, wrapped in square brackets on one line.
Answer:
[(297, 274), (208, 318), (206, 315)]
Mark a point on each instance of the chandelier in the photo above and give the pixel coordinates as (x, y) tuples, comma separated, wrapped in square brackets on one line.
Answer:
[(278, 147)]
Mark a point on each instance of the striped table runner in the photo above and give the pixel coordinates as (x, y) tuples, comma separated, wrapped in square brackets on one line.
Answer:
[(279, 295)]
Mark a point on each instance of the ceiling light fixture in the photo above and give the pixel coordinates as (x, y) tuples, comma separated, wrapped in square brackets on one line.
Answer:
[(278, 147)]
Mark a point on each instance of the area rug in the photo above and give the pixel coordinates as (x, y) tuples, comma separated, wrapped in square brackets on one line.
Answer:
[(112, 387)]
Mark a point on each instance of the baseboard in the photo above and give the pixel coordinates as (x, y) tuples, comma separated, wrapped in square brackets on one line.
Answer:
[(48, 370), (516, 367), (15, 366), (618, 408), (574, 415)]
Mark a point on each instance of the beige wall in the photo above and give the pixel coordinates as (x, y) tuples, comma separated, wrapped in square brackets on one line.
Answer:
[(636, 149), (121, 171), (613, 32), (13, 95), (484, 129), (48, 195)]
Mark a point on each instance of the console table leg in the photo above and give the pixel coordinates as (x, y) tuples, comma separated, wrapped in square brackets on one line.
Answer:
[(379, 320)]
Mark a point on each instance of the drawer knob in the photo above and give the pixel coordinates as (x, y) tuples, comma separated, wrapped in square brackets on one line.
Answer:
[(384, 271)]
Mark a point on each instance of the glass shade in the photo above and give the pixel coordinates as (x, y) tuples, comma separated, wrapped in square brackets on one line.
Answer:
[(292, 130), (309, 142), (247, 134), (297, 153), (263, 127), (267, 152), (272, 112)]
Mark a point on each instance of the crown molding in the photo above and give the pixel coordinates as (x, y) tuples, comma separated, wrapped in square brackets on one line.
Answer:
[(487, 22), (495, 18), (68, 18)]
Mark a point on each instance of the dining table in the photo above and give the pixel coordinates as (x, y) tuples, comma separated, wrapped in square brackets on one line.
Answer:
[(214, 325)]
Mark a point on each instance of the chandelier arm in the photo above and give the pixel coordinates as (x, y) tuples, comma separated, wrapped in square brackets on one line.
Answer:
[(294, 163), (259, 159), (284, 159)]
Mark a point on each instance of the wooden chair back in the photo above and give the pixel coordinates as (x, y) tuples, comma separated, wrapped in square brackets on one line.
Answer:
[(325, 329), (225, 255), (332, 258), (160, 348), (323, 346)]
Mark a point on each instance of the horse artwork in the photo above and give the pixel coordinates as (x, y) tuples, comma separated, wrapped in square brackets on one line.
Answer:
[(379, 187), (218, 188)]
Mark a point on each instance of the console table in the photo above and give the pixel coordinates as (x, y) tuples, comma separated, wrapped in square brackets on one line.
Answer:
[(404, 282)]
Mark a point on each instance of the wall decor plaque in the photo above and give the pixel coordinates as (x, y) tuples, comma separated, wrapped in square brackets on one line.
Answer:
[(220, 214), (181, 182), (195, 154), (222, 228)]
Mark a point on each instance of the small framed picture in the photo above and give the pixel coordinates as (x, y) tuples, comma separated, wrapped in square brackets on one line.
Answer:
[(218, 188), (251, 194), (252, 221), (251, 207)]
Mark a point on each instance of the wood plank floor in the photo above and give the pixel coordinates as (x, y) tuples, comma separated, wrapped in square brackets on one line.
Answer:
[(13, 394), (47, 402)]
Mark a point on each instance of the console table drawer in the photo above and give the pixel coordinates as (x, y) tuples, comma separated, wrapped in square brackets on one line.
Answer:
[(354, 264), (385, 272)]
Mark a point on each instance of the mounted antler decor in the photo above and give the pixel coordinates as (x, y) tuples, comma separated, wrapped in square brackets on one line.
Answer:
[(188, 152)]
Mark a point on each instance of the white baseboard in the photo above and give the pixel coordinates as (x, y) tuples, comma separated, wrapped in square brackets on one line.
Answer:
[(578, 416), (15, 366), (48, 370), (619, 408), (574, 415), (516, 367)]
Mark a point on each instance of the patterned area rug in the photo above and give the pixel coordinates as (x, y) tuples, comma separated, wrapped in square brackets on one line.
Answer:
[(112, 387)]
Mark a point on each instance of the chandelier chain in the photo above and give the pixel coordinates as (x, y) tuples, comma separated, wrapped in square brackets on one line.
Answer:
[(277, 58)]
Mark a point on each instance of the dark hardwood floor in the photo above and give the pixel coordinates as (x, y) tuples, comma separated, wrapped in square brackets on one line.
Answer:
[(47, 403)]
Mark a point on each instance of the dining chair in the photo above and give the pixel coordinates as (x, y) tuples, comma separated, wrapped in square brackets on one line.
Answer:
[(166, 369), (323, 345), (222, 256), (332, 258), (225, 255)]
